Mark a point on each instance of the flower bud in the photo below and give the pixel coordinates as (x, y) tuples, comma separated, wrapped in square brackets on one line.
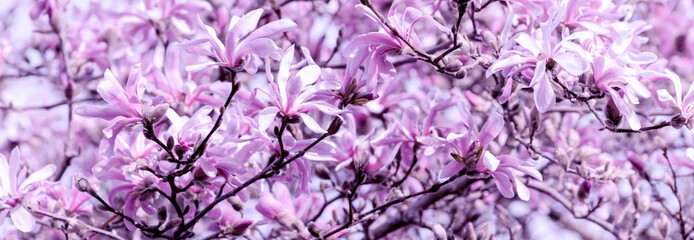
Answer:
[(335, 126), (82, 184), (614, 116), (154, 114), (240, 228), (322, 171), (314, 230), (584, 189), (236, 203), (453, 65), (439, 232), (662, 224), (469, 232), (678, 121)]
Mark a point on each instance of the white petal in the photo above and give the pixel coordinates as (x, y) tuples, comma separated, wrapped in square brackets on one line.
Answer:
[(490, 161), (522, 190), (528, 42), (22, 219), (39, 175), (266, 117), (312, 124), (572, 63), (309, 74)]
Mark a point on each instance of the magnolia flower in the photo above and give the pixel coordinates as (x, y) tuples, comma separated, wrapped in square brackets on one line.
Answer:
[(617, 73), (280, 206), (682, 104), (127, 106), (295, 95), (14, 185), (242, 39), (541, 51), (372, 47), (469, 148)]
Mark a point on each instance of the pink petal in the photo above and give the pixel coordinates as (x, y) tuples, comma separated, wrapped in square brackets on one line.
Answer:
[(271, 29), (491, 128), (451, 169)]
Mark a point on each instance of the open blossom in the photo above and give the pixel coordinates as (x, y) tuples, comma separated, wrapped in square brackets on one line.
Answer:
[(15, 185), (682, 104), (127, 107), (541, 52), (470, 150), (243, 39), (280, 206), (294, 95)]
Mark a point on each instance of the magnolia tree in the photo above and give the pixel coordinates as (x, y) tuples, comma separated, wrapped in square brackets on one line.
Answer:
[(346, 119)]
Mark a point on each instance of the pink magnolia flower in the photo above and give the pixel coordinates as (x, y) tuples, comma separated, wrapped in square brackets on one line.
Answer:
[(373, 47), (127, 106), (682, 104), (242, 39), (280, 206), (72, 200), (541, 52), (14, 185), (295, 95), (472, 145), (618, 72)]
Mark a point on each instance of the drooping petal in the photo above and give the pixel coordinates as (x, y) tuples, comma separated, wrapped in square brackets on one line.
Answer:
[(503, 183), (22, 219), (544, 94), (522, 190)]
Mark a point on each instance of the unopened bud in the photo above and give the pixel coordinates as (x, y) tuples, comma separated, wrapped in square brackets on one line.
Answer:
[(678, 121), (155, 113), (614, 116), (240, 228), (236, 203), (82, 184), (663, 225), (439, 232), (469, 233), (335, 126), (584, 190), (322, 171), (453, 65), (314, 230)]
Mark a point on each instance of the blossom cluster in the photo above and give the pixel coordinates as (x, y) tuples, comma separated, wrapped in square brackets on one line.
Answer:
[(346, 119)]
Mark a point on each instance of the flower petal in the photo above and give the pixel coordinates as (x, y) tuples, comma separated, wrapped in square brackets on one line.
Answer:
[(491, 128), (572, 63), (490, 161), (39, 175), (22, 219), (311, 123), (528, 42)]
